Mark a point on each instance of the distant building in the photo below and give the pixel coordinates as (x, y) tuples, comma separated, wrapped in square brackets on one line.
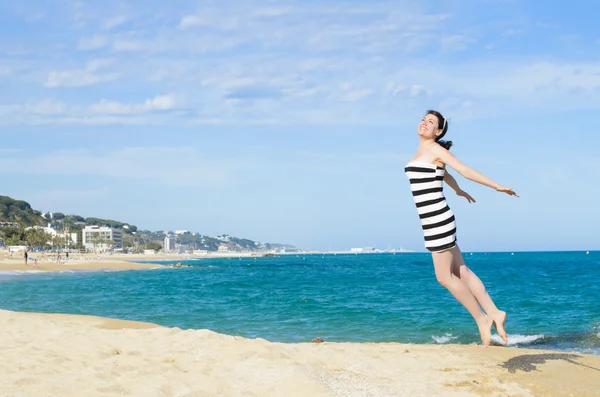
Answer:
[(17, 248), (223, 248), (178, 232), (70, 238), (362, 250), (96, 238), (169, 244)]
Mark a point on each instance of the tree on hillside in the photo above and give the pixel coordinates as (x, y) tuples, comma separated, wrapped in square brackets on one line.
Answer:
[(19, 211), (58, 216), (76, 218), (37, 238), (154, 246)]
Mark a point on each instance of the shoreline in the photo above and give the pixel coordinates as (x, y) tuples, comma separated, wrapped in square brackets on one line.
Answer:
[(76, 265), (64, 354)]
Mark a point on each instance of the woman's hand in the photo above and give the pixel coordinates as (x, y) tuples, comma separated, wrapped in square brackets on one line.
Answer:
[(466, 195), (507, 190)]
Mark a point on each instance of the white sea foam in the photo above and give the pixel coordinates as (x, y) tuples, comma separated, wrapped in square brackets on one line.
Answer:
[(443, 339), (20, 272), (596, 328), (518, 339)]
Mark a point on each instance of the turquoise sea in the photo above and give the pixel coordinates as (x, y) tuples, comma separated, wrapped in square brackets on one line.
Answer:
[(552, 298)]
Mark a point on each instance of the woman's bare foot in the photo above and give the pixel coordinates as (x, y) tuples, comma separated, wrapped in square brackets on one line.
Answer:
[(499, 319), (485, 330)]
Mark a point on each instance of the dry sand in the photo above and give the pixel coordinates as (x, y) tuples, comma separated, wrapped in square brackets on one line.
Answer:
[(65, 355), (49, 264)]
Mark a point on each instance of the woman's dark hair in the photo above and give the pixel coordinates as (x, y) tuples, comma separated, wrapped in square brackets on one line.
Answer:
[(442, 125)]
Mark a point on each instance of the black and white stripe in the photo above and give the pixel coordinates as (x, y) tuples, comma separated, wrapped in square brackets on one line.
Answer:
[(437, 219)]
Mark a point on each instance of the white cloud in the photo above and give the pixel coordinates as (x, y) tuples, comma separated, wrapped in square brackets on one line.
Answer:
[(115, 21), (537, 82), (89, 120), (158, 103), (92, 43), (417, 90), (512, 32), (189, 21), (125, 46), (82, 77), (47, 107), (395, 89), (378, 28), (354, 95), (455, 42), (281, 62), (225, 23), (8, 110)]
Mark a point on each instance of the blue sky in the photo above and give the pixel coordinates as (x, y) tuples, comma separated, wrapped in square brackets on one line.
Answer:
[(291, 121)]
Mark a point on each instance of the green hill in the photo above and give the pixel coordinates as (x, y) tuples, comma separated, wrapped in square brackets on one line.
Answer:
[(17, 214), (19, 211)]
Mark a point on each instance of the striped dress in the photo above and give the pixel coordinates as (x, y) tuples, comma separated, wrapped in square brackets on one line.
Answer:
[(437, 219)]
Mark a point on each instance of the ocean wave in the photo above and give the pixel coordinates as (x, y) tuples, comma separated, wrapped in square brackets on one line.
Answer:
[(519, 339), (443, 339)]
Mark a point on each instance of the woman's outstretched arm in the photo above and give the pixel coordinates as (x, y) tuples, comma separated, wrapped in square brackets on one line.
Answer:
[(448, 158)]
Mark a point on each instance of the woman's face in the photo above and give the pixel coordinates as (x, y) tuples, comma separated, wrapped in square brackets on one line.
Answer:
[(428, 127)]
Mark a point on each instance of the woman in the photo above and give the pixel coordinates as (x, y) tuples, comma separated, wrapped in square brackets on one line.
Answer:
[(426, 173)]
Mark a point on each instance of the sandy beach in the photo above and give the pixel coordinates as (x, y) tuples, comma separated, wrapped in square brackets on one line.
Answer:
[(67, 355), (48, 261), (74, 264)]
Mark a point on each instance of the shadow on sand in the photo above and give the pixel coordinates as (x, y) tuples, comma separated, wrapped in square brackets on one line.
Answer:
[(528, 362)]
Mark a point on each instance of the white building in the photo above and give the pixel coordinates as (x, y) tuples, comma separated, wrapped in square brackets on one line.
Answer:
[(96, 238), (169, 244), (54, 233), (178, 232), (362, 250), (17, 248)]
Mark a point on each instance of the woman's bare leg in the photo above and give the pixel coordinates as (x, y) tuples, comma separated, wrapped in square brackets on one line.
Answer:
[(442, 262), (477, 288)]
